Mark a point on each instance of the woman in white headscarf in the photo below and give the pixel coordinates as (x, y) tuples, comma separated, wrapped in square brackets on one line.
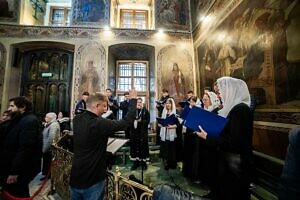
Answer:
[(211, 102), (235, 141), (168, 136)]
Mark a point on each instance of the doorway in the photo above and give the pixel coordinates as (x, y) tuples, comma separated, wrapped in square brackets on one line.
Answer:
[(46, 80)]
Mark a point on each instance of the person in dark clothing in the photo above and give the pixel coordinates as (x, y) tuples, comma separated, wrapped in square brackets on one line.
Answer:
[(139, 149), (124, 107), (64, 122), (112, 103), (20, 148), (289, 184), (234, 143), (160, 104), (189, 144), (81, 105), (91, 132)]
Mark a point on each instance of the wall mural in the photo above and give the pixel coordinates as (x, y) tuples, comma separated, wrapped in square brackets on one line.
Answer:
[(9, 10), (95, 12), (253, 44), (175, 72), (90, 68), (172, 14)]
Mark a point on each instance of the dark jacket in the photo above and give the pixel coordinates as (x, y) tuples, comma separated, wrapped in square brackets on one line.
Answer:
[(235, 152), (21, 147), (124, 107), (80, 107), (90, 141), (114, 108), (289, 187)]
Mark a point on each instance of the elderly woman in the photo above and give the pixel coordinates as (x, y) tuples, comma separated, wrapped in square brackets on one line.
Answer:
[(211, 102), (51, 134), (235, 141)]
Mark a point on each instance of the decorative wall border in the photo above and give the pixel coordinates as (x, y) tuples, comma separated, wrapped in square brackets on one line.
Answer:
[(7, 30)]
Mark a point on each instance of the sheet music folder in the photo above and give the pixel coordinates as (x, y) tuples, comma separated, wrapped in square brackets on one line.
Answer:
[(170, 120), (114, 144), (185, 112), (212, 123)]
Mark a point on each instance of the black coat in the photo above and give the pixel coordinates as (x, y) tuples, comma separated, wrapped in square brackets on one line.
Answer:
[(21, 147), (235, 151)]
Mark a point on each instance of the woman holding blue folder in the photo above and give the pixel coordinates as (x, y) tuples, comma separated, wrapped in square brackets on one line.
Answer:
[(190, 141), (169, 136), (234, 143)]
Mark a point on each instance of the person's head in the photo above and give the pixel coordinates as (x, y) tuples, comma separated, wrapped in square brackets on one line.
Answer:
[(175, 67), (62, 114), (97, 103), (19, 105), (169, 104), (50, 117), (85, 96), (108, 92), (232, 91), (210, 101), (207, 89), (5, 116), (139, 104), (165, 92), (126, 96), (193, 100), (189, 94)]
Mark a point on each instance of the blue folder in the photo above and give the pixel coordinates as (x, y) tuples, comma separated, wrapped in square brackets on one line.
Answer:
[(170, 120), (185, 112), (212, 123)]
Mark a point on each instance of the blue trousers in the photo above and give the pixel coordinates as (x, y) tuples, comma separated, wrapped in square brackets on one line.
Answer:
[(95, 192)]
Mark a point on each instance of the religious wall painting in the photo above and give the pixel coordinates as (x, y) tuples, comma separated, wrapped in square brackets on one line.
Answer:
[(90, 67), (9, 10), (172, 14), (175, 72), (251, 45), (91, 12)]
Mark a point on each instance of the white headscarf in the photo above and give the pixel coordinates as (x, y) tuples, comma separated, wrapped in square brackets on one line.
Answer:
[(233, 91), (165, 133), (215, 102)]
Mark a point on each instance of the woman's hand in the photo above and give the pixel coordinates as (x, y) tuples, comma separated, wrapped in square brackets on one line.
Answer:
[(159, 125), (202, 133)]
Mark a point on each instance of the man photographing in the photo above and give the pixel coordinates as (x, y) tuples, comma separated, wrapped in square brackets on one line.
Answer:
[(91, 132)]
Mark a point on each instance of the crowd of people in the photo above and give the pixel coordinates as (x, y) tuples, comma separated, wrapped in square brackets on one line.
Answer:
[(223, 163)]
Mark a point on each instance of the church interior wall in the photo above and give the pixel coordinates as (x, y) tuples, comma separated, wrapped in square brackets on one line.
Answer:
[(255, 41)]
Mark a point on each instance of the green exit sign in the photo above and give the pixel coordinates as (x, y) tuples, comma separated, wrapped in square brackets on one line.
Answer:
[(45, 75)]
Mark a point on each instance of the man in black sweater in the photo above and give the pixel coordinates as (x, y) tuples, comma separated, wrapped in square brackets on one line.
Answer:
[(91, 133)]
